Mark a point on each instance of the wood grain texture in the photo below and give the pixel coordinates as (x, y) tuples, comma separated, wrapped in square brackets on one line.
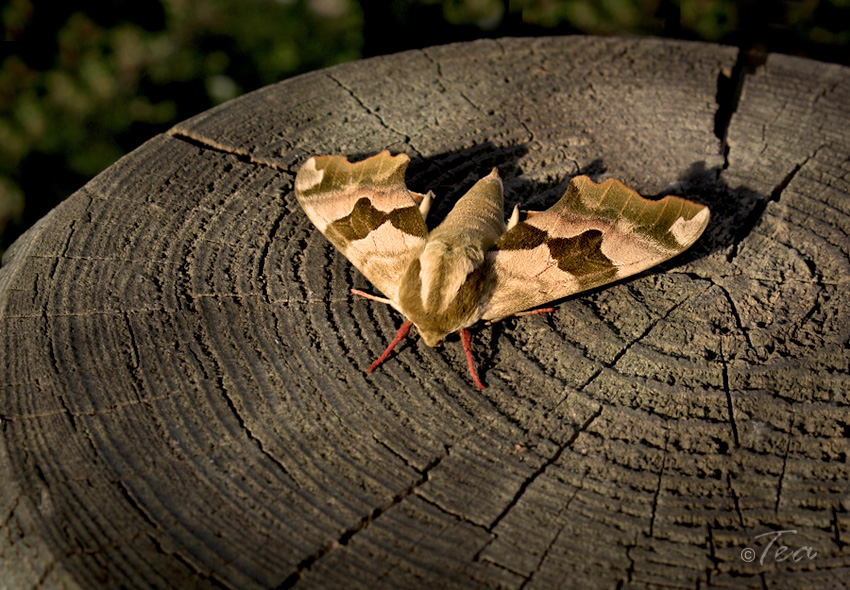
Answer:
[(182, 393)]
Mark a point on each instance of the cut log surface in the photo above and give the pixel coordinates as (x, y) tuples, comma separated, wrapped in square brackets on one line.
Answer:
[(182, 387)]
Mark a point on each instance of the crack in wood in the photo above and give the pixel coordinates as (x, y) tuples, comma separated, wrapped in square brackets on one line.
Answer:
[(83, 314), (456, 515), (504, 567), (784, 461), (712, 555), (836, 530), (250, 434), (730, 408), (8, 518), (111, 409), (218, 379), (557, 536), (208, 576), (728, 97), (134, 504), (405, 138), (206, 143), (755, 215), (46, 573), (735, 499), (658, 486), (735, 314), (306, 564), (630, 571), (622, 352), (540, 470), (439, 69), (396, 454)]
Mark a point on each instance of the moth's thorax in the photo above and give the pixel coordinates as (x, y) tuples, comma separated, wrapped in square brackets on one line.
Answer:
[(443, 268), (450, 296)]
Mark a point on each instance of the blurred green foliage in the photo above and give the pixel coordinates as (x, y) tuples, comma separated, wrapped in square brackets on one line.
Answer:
[(83, 83), (86, 82)]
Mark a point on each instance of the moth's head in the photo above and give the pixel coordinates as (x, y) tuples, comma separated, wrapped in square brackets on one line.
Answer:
[(450, 308), (432, 337)]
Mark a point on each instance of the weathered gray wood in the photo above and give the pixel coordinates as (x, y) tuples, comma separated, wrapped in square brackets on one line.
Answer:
[(183, 400)]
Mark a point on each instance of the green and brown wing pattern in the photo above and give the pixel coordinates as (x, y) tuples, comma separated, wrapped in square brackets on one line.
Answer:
[(367, 212), (595, 234)]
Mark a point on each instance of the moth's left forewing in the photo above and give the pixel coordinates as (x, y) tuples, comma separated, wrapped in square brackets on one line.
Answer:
[(367, 212), (596, 233)]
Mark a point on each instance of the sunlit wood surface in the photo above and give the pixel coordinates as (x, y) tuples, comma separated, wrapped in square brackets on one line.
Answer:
[(182, 387)]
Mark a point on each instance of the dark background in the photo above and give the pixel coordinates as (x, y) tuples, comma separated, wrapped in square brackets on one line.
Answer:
[(82, 83)]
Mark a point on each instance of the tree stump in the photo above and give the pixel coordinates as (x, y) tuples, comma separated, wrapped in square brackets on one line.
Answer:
[(184, 402)]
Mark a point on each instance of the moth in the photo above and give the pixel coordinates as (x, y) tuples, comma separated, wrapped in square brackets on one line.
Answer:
[(474, 266)]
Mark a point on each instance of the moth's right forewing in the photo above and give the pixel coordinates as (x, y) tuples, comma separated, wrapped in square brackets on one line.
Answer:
[(596, 234)]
